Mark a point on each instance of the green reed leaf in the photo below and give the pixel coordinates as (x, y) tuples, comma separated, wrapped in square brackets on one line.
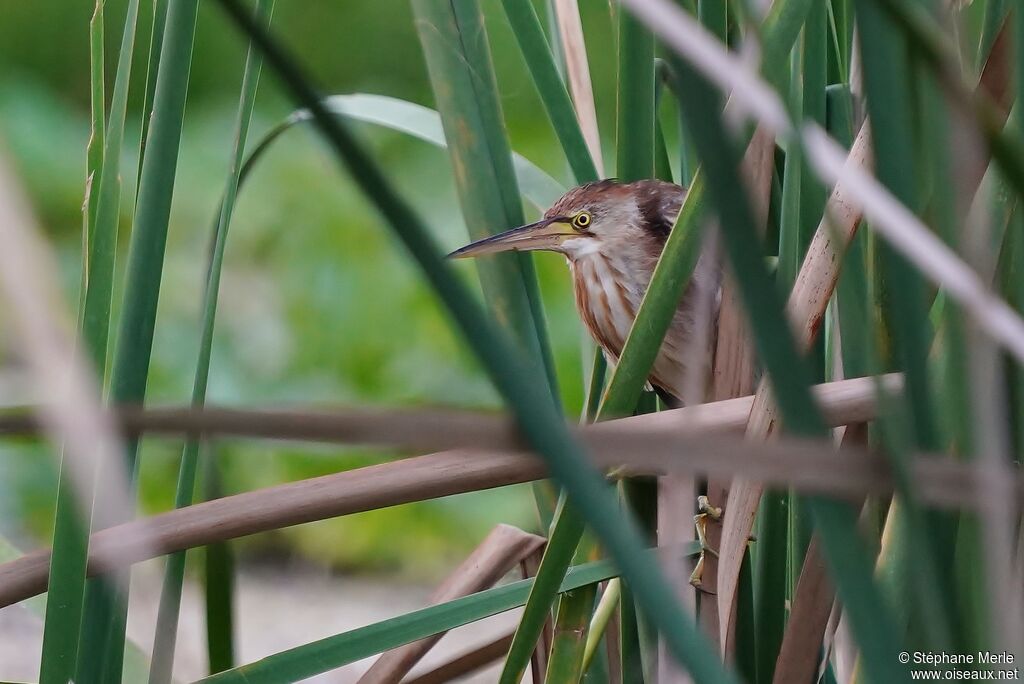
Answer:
[(103, 209), (423, 123), (544, 70), (887, 75), (563, 539), (174, 572), (103, 630), (453, 38), (333, 652)]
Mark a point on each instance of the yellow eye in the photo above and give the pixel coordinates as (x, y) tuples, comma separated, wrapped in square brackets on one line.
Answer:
[(581, 220)]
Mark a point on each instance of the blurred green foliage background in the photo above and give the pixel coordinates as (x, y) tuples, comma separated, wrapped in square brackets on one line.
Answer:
[(319, 305)]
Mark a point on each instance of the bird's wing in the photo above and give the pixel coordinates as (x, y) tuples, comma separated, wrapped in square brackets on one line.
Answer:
[(659, 203)]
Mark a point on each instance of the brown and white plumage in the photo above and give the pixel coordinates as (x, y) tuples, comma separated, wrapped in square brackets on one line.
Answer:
[(612, 234)]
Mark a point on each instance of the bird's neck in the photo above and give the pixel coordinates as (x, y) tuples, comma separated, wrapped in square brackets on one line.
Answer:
[(631, 269), (609, 288), (608, 294)]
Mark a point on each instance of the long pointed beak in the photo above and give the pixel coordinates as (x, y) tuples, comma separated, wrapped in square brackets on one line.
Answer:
[(546, 234)]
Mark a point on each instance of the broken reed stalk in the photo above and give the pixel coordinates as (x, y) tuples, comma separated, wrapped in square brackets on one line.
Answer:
[(501, 551), (812, 604), (465, 664)]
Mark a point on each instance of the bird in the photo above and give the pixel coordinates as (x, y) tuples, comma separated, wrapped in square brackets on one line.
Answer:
[(612, 234)]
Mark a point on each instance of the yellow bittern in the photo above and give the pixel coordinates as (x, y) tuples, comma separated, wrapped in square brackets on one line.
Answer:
[(612, 234)]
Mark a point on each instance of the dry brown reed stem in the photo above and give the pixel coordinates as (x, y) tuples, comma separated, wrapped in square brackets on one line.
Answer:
[(965, 142), (493, 464), (465, 664), (70, 414), (812, 604), (570, 31), (698, 448), (539, 660), (501, 551), (813, 601), (845, 401), (676, 503)]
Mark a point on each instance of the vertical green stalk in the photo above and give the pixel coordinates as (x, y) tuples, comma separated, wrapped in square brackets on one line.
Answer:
[(174, 573), (595, 388), (1016, 230), (790, 223), (458, 56), (97, 121), (637, 640), (156, 41), (887, 80), (634, 135), (635, 160), (662, 163), (563, 541), (770, 581), (746, 630), (553, 95), (103, 234), (887, 76), (570, 636), (812, 102), (454, 37), (855, 328), (218, 583), (995, 12), (70, 545), (974, 619), (713, 14), (687, 158), (554, 37), (630, 650), (813, 67), (106, 610), (838, 69), (952, 399)]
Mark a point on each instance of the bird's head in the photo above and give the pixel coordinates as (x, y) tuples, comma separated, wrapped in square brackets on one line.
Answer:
[(597, 217)]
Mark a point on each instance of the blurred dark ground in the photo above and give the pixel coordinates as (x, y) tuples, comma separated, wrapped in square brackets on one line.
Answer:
[(319, 304)]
